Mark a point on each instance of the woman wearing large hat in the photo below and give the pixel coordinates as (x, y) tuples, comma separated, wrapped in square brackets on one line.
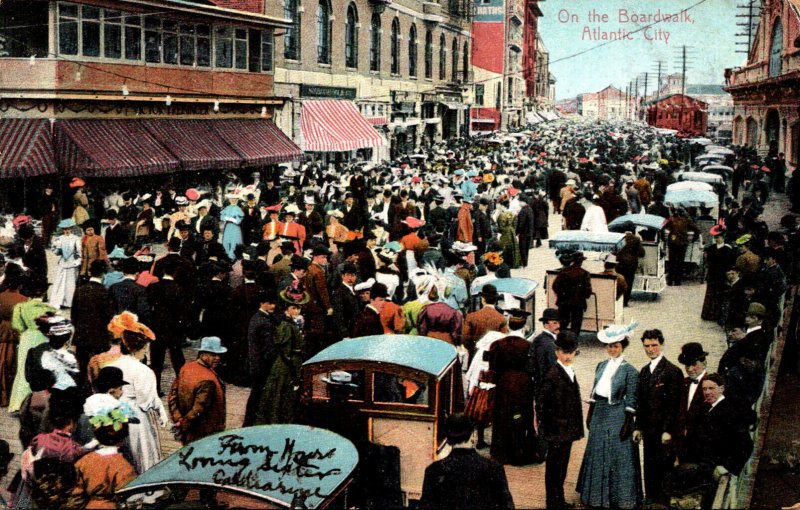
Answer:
[(67, 247), (610, 474), (140, 393), (279, 397)]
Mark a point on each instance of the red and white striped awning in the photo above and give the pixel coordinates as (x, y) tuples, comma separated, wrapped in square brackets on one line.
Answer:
[(333, 125), (258, 142), (377, 121), (26, 148), (110, 148), (195, 143)]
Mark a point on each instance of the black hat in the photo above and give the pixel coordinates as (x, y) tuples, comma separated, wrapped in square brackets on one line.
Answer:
[(109, 377), (320, 250), (287, 245), (459, 428), (549, 314), (378, 290), (299, 262), (349, 268), (578, 256), (691, 353), (517, 313), (489, 291), (567, 341)]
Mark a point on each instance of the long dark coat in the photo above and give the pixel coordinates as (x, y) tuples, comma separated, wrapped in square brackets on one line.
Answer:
[(345, 311), (558, 407), (512, 423), (243, 303), (368, 323), (721, 438), (92, 310), (718, 261), (279, 399), (658, 395), (464, 481), (128, 295), (169, 311)]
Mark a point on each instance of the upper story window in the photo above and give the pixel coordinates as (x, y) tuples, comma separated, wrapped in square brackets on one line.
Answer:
[(412, 51), (428, 54), (465, 65), (776, 49), (323, 32), (454, 76), (395, 46), (92, 32), (375, 43), (291, 38), (442, 57), (351, 37)]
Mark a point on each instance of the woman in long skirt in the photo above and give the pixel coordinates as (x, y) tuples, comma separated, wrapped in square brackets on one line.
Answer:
[(610, 472), (231, 217), (67, 248)]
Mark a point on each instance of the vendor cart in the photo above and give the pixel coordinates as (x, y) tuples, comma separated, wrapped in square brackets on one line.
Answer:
[(650, 276), (401, 391), (603, 306), (268, 466)]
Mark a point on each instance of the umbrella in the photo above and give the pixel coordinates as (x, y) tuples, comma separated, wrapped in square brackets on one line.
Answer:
[(700, 141), (720, 150), (587, 241), (693, 185), (712, 155), (701, 177), (718, 169), (691, 198), (624, 222)]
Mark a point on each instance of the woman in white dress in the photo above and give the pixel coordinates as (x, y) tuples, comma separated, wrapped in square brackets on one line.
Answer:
[(595, 218), (140, 392), (67, 248)]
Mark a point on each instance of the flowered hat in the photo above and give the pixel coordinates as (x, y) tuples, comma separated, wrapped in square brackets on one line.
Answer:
[(103, 410), (126, 321), (295, 294)]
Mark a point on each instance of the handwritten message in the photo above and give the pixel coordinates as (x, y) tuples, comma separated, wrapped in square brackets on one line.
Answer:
[(626, 24)]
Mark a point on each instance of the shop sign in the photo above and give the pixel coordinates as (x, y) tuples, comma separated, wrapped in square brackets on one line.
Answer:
[(327, 92)]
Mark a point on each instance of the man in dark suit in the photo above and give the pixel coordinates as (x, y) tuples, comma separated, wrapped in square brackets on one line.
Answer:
[(128, 295), (169, 314), (658, 395), (692, 405), (573, 287), (184, 269), (188, 244), (261, 351), (210, 249), (464, 480), (353, 216), (525, 230), (369, 322), (482, 226), (345, 303), (92, 310), (560, 414), (116, 233), (251, 223), (743, 363), (204, 221), (30, 249), (542, 354)]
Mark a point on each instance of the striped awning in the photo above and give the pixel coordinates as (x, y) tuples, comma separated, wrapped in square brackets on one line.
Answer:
[(258, 142), (335, 126), (377, 121), (26, 148), (110, 148), (195, 143)]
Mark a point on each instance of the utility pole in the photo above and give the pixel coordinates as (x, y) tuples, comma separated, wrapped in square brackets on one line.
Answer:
[(658, 67), (636, 100), (685, 61), (750, 12)]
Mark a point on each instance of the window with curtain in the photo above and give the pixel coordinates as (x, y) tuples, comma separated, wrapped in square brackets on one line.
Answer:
[(291, 38), (454, 76), (323, 32), (428, 54), (412, 51), (351, 37), (442, 57), (375, 43), (395, 46)]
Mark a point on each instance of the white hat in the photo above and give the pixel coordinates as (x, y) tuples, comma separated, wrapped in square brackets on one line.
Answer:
[(309, 200), (463, 247), (614, 333), (365, 285), (336, 213), (570, 182), (292, 209)]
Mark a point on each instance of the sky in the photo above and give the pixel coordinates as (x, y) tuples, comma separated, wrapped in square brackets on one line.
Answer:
[(707, 28)]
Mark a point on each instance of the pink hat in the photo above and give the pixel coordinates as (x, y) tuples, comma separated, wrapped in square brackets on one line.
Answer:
[(512, 192), (192, 194), (416, 178), (20, 220), (413, 222)]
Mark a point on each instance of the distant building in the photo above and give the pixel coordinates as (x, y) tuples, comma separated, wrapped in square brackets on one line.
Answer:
[(720, 109), (607, 104), (567, 106), (680, 112), (766, 91)]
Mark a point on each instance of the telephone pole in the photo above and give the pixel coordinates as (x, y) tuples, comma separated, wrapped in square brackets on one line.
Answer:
[(750, 12)]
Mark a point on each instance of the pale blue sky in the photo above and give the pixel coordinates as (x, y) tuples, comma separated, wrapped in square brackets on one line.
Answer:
[(710, 38)]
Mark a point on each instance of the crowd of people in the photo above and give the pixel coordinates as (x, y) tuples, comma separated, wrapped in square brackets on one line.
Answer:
[(266, 270)]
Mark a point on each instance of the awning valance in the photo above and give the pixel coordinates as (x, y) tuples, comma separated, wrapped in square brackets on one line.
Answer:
[(195, 143), (377, 121), (26, 148), (335, 126), (258, 142), (110, 148)]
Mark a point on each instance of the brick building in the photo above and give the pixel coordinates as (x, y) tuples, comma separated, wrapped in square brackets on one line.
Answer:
[(680, 112)]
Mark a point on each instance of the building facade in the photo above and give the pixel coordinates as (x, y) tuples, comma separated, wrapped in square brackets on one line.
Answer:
[(404, 65), (607, 104), (766, 91), (500, 31), (136, 88), (680, 112)]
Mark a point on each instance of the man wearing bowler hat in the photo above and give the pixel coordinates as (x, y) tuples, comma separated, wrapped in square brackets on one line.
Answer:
[(573, 287), (560, 415), (480, 322), (542, 354), (197, 398), (369, 322), (692, 406)]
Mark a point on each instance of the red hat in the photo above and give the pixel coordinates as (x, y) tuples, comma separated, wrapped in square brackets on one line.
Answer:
[(717, 230), (583, 160), (766, 170), (413, 222), (20, 220), (543, 153), (192, 194), (754, 167), (76, 182), (416, 178), (274, 208), (512, 192)]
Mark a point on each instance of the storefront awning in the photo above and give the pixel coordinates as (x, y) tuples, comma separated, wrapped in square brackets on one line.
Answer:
[(110, 148), (335, 126), (377, 121), (195, 143), (258, 142), (26, 148)]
